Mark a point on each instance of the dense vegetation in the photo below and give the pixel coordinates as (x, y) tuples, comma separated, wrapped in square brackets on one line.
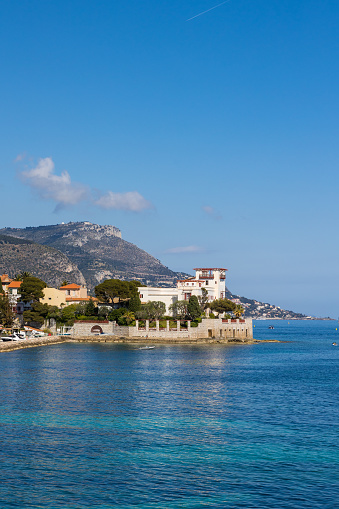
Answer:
[(118, 300)]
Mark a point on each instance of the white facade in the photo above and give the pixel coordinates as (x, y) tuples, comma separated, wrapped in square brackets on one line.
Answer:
[(212, 280)]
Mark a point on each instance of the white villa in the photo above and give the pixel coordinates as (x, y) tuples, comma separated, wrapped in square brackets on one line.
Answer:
[(212, 280)]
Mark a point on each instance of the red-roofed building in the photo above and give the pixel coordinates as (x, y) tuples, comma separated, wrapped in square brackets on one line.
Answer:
[(12, 289), (65, 295), (74, 291), (14, 286), (5, 281)]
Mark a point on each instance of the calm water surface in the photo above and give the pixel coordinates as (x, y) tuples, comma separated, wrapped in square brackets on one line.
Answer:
[(102, 426)]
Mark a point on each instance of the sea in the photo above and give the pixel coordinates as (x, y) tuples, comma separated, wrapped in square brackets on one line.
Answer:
[(193, 426)]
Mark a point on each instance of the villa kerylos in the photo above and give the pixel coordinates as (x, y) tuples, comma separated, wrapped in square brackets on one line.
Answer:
[(208, 281)]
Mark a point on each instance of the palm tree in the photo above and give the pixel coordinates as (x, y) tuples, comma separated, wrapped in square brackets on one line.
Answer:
[(238, 310), (21, 276), (129, 317)]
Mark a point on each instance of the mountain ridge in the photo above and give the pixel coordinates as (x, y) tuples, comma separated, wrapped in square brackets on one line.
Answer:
[(99, 252), (87, 253)]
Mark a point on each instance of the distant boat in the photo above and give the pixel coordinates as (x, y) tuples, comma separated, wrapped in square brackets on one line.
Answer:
[(335, 344), (270, 327), (146, 347)]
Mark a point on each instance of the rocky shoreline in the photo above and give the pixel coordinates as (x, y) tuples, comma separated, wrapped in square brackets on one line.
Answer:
[(52, 340)]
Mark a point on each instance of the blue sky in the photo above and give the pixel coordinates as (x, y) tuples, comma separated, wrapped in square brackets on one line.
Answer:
[(209, 142)]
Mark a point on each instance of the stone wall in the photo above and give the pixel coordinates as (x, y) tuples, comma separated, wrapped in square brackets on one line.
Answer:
[(86, 328), (216, 328), (226, 329)]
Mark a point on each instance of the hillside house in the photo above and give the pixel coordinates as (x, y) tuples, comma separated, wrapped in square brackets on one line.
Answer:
[(5, 281), (12, 289), (65, 295)]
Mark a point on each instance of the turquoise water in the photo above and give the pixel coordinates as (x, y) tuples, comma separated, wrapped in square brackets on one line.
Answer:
[(245, 426)]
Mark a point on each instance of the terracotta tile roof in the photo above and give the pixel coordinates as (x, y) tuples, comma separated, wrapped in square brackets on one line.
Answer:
[(71, 286), (5, 278), (15, 284)]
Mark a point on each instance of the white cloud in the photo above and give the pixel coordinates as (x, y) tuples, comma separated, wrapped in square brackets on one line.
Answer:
[(63, 191), (50, 186), (131, 200), (184, 249)]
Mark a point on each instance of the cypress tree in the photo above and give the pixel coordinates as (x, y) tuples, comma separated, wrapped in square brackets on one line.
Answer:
[(193, 307)]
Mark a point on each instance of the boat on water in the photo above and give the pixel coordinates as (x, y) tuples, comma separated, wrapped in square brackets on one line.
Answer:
[(146, 347), (12, 337), (334, 343), (270, 327)]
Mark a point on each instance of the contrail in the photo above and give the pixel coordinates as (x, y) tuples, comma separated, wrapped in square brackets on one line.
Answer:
[(208, 10)]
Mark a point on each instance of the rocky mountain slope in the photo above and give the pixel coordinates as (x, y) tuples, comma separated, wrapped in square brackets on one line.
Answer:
[(87, 253), (47, 263), (99, 252)]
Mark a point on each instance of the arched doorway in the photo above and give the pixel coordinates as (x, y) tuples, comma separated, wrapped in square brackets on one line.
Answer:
[(96, 329)]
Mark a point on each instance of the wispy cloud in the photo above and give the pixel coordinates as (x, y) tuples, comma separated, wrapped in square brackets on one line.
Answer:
[(62, 190), (184, 249), (131, 200), (20, 157), (50, 186), (210, 211)]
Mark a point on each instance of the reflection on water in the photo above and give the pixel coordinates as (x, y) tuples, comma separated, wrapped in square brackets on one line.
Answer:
[(178, 426)]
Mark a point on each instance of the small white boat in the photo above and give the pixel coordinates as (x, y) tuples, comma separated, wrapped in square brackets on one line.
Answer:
[(146, 347), (12, 337)]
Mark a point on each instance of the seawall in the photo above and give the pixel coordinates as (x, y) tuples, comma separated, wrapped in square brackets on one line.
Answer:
[(9, 346)]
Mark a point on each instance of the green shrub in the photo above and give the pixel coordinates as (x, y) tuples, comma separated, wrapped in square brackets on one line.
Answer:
[(121, 320), (116, 314), (211, 315)]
